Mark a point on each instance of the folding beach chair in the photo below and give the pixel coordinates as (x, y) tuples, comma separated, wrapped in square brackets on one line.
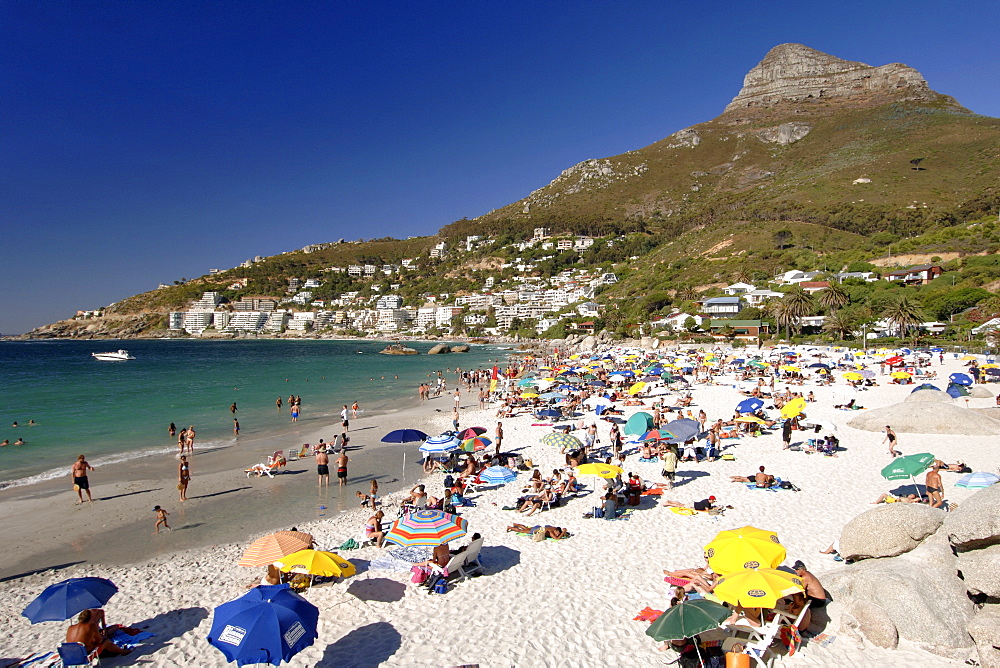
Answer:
[(75, 654), (470, 564)]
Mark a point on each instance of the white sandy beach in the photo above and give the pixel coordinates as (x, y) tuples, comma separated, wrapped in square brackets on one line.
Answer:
[(551, 603)]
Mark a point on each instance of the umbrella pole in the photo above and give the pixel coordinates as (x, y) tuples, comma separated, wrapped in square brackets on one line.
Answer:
[(404, 468), (916, 487), (698, 650)]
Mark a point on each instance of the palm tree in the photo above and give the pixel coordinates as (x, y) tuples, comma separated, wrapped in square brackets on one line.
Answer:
[(797, 303), (742, 275), (840, 325), (903, 313), (782, 316), (833, 298), (687, 293)]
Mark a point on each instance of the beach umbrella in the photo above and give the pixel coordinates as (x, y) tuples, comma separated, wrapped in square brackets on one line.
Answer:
[(683, 429), (498, 475), (428, 528), (749, 405), (70, 597), (907, 466), (529, 395), (750, 418), (660, 391), (757, 588), (268, 549), (639, 423), (925, 386), (316, 562), (600, 470), (790, 368), (549, 412), (440, 444), (960, 379), (549, 396), (560, 440), (656, 435), (978, 480), (687, 619), (598, 401), (992, 371), (404, 436), (853, 375), (758, 364), (476, 444), (470, 432), (636, 388), (955, 391), (268, 624), (793, 407), (900, 374), (819, 365), (748, 547)]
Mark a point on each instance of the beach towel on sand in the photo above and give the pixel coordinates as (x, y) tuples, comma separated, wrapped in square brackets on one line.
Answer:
[(777, 486), (647, 614)]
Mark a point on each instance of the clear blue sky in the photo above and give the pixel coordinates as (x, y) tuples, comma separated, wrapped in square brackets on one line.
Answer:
[(144, 141)]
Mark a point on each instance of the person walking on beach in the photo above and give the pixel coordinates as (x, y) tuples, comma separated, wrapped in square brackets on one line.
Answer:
[(161, 518), (890, 436), (183, 477), (323, 466), (786, 434), (190, 439), (80, 481), (454, 419), (182, 440), (345, 422), (458, 398), (354, 410), (342, 468)]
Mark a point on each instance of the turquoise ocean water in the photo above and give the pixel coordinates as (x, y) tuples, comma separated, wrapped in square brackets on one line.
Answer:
[(113, 411)]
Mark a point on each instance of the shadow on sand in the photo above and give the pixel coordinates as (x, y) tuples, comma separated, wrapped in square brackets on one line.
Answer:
[(167, 626), (383, 590), (369, 645)]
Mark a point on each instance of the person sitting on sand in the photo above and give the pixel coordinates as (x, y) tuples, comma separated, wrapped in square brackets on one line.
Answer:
[(373, 528), (814, 590), (417, 497), (889, 498), (759, 478), (533, 503), (441, 556), (535, 484), (272, 576), (550, 532), (87, 632)]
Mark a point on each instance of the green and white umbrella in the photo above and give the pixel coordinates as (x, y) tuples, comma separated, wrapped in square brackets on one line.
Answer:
[(908, 466)]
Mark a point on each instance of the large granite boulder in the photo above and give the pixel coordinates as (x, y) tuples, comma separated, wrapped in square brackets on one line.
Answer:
[(981, 392), (926, 603), (985, 631), (888, 530), (981, 570), (439, 349), (460, 348), (589, 343), (869, 621), (976, 523)]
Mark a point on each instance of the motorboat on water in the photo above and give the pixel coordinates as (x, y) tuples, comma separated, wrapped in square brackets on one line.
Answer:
[(117, 356)]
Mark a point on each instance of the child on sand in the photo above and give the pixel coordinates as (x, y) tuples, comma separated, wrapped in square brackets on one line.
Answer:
[(161, 518)]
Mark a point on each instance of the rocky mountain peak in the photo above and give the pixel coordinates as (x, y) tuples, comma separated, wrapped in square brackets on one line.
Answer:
[(794, 73)]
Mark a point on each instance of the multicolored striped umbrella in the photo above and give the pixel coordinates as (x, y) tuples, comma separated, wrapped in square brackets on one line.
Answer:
[(498, 475), (978, 480), (476, 444), (560, 440), (269, 549), (428, 528), (470, 432)]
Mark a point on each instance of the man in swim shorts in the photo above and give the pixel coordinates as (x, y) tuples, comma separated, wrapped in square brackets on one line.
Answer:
[(80, 481), (342, 468), (344, 415), (323, 466), (935, 489)]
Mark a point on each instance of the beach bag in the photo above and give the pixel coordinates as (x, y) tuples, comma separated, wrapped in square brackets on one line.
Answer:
[(419, 575), (449, 481), (785, 484), (598, 511), (539, 535), (441, 586)]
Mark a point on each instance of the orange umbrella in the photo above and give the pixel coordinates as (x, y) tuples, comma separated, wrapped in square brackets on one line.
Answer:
[(269, 549)]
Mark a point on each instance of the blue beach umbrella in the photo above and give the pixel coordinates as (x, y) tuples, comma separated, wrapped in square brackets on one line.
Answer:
[(498, 475), (925, 386), (549, 412), (404, 436), (268, 624), (978, 480), (683, 430), (749, 405), (70, 597), (960, 379), (440, 444)]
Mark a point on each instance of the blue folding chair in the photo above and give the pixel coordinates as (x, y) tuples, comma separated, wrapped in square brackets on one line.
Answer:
[(75, 654)]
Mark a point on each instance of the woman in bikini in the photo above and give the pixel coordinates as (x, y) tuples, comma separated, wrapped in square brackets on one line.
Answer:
[(183, 477)]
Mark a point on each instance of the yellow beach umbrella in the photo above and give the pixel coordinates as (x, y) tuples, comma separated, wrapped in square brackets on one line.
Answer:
[(789, 367), (750, 418), (900, 374), (529, 395), (602, 470), (637, 388), (968, 358), (748, 547), (851, 375), (793, 407), (990, 366), (757, 588), (316, 562)]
